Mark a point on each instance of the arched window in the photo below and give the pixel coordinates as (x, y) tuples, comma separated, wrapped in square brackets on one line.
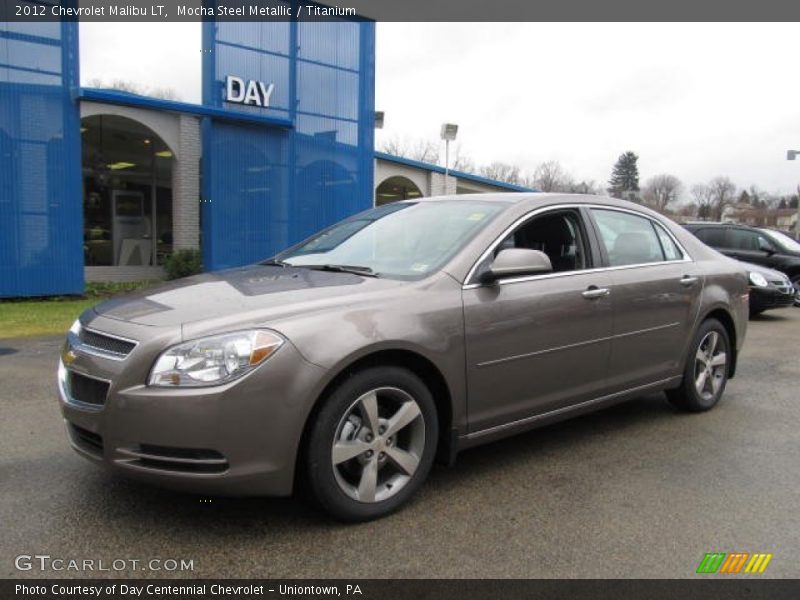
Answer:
[(396, 188), (127, 193)]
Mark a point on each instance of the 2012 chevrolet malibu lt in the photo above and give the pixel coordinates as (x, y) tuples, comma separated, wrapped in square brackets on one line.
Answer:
[(402, 334)]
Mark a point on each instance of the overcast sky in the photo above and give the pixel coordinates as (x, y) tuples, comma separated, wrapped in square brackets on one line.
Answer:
[(695, 100)]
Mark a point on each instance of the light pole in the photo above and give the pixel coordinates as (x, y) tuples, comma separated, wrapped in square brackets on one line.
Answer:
[(449, 131), (792, 155)]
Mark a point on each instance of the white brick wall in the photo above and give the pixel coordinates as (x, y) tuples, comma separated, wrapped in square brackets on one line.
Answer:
[(186, 185), (441, 185)]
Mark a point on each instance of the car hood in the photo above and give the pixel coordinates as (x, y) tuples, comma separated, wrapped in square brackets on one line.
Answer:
[(770, 274), (255, 293)]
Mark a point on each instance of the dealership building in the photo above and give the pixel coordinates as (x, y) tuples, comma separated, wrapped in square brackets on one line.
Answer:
[(97, 184)]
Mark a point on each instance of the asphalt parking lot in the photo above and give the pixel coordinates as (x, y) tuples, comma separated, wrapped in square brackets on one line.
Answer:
[(638, 490)]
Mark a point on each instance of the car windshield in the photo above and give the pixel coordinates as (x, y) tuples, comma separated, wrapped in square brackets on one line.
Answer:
[(783, 240), (405, 240)]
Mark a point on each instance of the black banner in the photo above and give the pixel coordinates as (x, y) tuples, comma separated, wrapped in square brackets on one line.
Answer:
[(398, 10), (732, 588)]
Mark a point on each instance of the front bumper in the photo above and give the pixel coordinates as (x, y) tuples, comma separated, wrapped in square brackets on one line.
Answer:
[(765, 298), (237, 439)]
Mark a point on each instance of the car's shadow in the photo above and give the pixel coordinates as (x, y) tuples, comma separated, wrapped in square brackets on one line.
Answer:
[(772, 316), (187, 513), (558, 440)]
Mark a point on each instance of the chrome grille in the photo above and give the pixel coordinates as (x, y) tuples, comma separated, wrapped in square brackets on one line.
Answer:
[(105, 344), (87, 389), (784, 285)]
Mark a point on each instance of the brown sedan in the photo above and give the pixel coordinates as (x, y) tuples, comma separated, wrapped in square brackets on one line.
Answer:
[(405, 333)]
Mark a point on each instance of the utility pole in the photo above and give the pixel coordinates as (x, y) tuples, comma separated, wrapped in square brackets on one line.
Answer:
[(792, 155)]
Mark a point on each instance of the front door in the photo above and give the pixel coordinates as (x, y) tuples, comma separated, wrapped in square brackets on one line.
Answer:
[(536, 344)]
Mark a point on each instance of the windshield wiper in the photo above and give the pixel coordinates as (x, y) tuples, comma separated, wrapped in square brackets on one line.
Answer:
[(272, 262), (355, 269)]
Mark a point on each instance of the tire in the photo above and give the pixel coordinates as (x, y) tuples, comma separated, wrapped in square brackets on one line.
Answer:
[(754, 312), (356, 474), (694, 394)]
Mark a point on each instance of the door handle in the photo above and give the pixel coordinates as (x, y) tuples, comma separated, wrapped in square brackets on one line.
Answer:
[(688, 280), (593, 292)]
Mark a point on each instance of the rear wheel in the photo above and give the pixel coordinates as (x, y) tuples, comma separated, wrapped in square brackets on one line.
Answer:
[(372, 443), (706, 371)]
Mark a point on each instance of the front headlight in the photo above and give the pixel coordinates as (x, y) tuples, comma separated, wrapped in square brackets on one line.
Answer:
[(76, 327), (214, 360), (757, 279)]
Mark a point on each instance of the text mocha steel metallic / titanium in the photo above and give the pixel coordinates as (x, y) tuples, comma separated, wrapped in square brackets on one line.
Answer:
[(402, 334)]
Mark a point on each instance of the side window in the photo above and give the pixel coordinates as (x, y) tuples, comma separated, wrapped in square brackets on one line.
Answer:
[(558, 234), (712, 236), (628, 239), (765, 244), (671, 251), (742, 239)]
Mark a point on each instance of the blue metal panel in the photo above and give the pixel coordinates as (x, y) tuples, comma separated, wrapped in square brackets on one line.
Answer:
[(41, 252), (265, 188), (246, 213)]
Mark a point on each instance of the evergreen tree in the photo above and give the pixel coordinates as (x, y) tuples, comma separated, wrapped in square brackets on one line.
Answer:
[(744, 198), (625, 176)]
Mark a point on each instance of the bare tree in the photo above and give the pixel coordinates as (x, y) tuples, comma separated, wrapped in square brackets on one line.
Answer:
[(661, 190), (702, 198), (164, 94), (502, 172), (721, 192), (756, 196), (551, 177), (133, 87), (688, 211), (462, 161), (419, 149)]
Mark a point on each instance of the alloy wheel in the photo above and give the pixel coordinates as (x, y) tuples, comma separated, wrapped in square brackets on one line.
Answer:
[(711, 362), (378, 444)]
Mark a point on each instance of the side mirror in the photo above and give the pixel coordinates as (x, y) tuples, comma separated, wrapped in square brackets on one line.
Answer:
[(517, 262)]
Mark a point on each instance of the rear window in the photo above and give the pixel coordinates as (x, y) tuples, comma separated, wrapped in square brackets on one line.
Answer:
[(671, 251), (712, 236)]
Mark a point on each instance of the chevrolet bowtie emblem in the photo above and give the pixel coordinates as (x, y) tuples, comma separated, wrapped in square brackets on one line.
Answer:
[(68, 357)]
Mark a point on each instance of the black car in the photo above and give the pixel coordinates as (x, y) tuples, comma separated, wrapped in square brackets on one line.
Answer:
[(768, 289), (760, 246)]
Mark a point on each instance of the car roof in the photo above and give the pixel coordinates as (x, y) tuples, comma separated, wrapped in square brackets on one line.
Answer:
[(534, 198), (698, 224)]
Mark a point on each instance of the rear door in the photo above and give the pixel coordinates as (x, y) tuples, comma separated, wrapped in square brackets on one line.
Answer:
[(656, 290), (538, 343)]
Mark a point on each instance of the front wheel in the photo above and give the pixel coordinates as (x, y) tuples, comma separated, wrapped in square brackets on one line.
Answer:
[(706, 371), (372, 444)]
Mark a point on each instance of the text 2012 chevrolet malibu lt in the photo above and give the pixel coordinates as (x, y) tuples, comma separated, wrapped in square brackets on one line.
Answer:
[(409, 331)]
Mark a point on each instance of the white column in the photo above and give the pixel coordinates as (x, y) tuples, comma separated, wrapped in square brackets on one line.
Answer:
[(186, 185)]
